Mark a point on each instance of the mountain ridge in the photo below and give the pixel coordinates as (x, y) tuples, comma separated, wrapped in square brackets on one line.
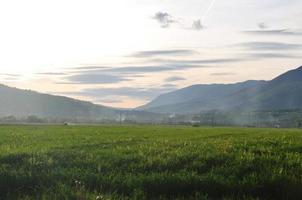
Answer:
[(20, 102), (282, 92)]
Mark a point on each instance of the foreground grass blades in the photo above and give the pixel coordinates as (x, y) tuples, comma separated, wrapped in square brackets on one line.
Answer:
[(149, 162)]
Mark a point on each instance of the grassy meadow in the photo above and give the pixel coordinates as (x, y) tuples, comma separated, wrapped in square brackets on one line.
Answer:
[(149, 162)]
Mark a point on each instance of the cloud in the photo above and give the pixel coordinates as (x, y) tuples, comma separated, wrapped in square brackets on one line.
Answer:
[(10, 79), (132, 92), (89, 67), (94, 78), (271, 55), (269, 46), (223, 74), (174, 79), (277, 32), (169, 85), (52, 73), (215, 61), (147, 54), (262, 26), (164, 19), (123, 73), (142, 69), (199, 61), (118, 74), (109, 101), (134, 70), (10, 75), (197, 25)]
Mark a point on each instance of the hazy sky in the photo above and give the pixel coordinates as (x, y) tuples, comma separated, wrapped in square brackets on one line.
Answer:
[(125, 53)]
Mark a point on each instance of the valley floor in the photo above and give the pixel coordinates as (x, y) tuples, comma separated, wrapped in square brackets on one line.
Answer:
[(149, 162)]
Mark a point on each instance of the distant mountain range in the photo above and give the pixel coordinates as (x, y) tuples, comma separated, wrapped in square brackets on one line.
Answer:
[(283, 92)]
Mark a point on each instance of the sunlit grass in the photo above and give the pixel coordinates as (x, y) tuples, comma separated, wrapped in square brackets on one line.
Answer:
[(149, 162)]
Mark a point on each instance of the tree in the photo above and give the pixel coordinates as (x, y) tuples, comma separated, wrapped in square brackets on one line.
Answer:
[(33, 119)]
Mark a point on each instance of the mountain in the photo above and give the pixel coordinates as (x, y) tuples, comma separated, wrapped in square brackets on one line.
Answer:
[(283, 92), (22, 103)]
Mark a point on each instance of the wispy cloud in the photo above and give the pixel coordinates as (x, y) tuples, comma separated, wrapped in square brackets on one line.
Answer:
[(277, 32), (52, 73), (197, 25), (132, 92), (199, 61), (271, 55), (10, 78), (177, 52), (223, 74), (10, 75), (93, 78), (136, 70), (164, 19), (262, 25), (109, 101), (90, 67), (174, 79), (117, 74), (270, 46)]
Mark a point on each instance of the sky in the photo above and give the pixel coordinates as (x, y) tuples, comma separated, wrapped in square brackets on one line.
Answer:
[(125, 53)]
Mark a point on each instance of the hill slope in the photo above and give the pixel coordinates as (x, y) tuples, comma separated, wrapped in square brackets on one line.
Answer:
[(20, 103), (283, 92)]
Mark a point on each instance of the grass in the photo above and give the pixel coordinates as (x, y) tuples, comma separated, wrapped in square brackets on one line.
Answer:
[(149, 162)]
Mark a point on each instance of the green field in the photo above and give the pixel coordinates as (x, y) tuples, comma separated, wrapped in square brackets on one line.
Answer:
[(149, 162)]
